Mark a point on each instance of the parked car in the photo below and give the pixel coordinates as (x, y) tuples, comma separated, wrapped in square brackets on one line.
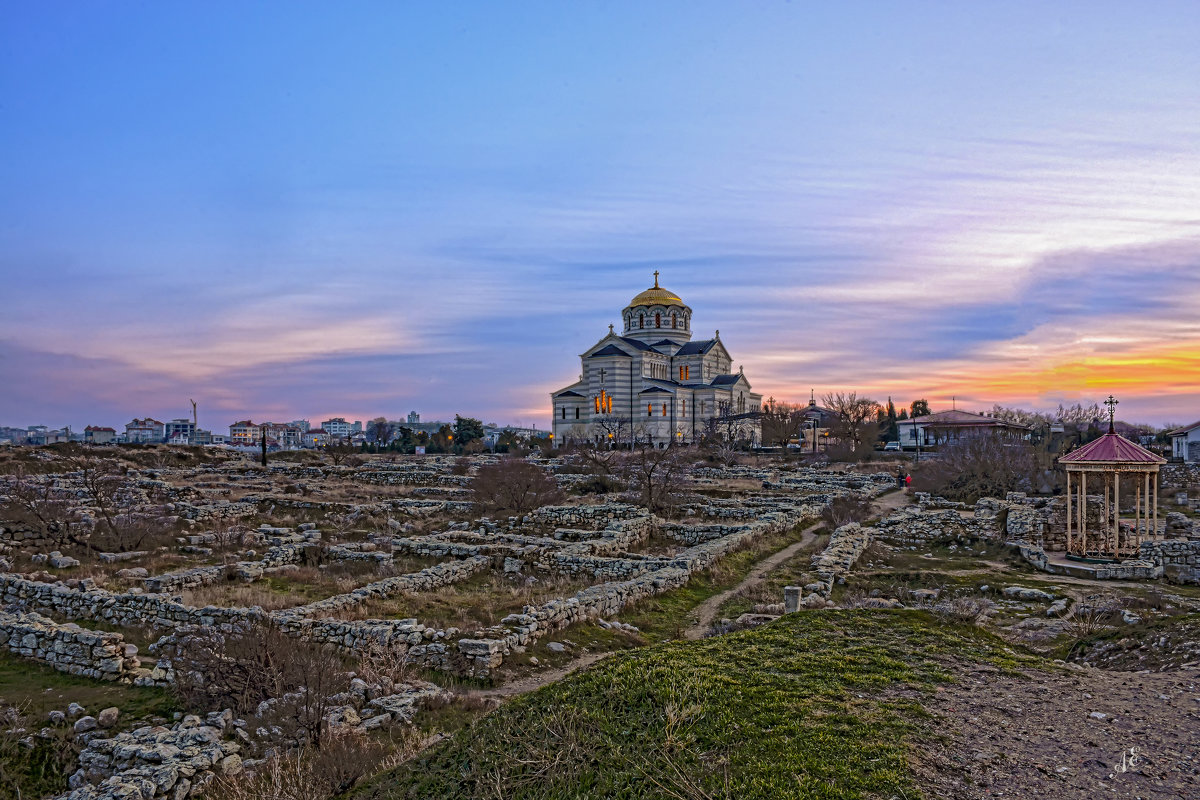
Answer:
[(892, 446)]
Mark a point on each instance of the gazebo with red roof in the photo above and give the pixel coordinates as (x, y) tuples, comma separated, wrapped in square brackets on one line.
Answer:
[(1112, 455)]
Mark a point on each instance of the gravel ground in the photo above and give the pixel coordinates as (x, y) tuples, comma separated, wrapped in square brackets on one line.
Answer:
[(1077, 732)]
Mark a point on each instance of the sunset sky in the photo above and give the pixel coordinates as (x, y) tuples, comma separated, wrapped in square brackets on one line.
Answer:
[(292, 210)]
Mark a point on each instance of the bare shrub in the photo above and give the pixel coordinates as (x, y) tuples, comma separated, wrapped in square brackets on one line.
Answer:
[(240, 670), (978, 466), (844, 510), (382, 664), (967, 610), (38, 504), (346, 757), (513, 486), (1090, 615), (656, 477)]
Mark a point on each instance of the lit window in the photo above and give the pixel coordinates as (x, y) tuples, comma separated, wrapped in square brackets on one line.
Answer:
[(649, 409), (664, 409)]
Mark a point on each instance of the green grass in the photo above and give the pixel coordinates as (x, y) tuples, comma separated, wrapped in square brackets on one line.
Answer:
[(668, 615), (38, 689), (799, 708)]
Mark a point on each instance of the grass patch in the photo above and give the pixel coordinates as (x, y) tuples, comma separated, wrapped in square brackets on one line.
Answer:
[(38, 690), (479, 602), (796, 709), (668, 615)]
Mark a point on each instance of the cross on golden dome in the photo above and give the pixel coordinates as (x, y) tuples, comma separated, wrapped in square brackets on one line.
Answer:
[(657, 295)]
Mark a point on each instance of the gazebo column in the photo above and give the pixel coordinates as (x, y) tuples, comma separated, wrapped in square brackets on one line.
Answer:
[(1083, 512), (1116, 513), (1069, 511), (1106, 524), (1156, 505)]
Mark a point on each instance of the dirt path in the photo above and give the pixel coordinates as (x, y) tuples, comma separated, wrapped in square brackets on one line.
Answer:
[(538, 680), (706, 612)]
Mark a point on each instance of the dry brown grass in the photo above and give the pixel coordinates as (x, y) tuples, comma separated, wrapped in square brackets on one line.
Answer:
[(477, 603)]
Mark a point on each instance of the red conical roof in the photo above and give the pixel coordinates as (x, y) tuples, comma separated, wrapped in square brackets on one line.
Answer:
[(1112, 447)]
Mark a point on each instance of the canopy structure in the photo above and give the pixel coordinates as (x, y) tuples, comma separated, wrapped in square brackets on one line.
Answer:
[(1108, 459)]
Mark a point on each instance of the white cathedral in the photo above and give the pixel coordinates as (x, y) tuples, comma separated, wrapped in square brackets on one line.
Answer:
[(652, 384)]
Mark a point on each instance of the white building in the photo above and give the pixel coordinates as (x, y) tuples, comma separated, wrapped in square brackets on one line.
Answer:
[(144, 430), (1185, 443), (948, 426), (653, 384), (337, 427)]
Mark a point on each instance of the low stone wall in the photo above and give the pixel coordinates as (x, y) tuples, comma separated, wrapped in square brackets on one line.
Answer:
[(1177, 559), (911, 525), (156, 762), (1179, 476), (846, 546), (70, 648), (598, 516), (24, 537), (426, 580), (696, 534), (121, 609)]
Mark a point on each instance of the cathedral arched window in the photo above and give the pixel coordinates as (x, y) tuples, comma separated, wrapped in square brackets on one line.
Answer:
[(576, 412), (664, 409), (641, 320), (657, 320), (673, 321)]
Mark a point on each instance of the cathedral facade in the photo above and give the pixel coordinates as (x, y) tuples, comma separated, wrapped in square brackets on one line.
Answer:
[(653, 384)]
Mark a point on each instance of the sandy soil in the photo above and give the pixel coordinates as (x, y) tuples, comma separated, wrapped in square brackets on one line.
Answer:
[(1040, 735)]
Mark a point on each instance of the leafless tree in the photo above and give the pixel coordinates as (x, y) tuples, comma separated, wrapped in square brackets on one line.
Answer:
[(380, 431), (656, 476), (513, 486), (780, 421), (979, 466), (855, 414), (37, 503), (258, 662)]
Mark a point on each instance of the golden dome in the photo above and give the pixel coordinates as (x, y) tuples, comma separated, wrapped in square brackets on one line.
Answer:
[(656, 295)]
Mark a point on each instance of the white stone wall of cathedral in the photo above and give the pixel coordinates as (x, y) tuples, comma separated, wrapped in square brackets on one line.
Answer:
[(640, 323)]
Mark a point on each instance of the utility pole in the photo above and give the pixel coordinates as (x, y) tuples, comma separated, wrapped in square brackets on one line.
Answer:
[(263, 431)]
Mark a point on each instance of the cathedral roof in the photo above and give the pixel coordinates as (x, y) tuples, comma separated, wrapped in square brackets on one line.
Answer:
[(656, 295), (698, 347), (611, 350), (636, 343), (725, 380)]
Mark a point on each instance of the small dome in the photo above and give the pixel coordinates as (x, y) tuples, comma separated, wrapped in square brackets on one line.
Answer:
[(656, 295)]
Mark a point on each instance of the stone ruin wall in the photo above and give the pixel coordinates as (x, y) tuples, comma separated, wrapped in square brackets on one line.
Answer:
[(69, 648)]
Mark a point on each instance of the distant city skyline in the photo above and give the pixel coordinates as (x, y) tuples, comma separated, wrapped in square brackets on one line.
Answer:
[(374, 208)]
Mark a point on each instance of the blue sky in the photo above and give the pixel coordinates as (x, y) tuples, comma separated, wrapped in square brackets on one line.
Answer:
[(288, 210)]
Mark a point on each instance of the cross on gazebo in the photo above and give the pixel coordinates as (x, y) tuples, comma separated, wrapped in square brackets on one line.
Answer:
[(1111, 402), (655, 279)]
